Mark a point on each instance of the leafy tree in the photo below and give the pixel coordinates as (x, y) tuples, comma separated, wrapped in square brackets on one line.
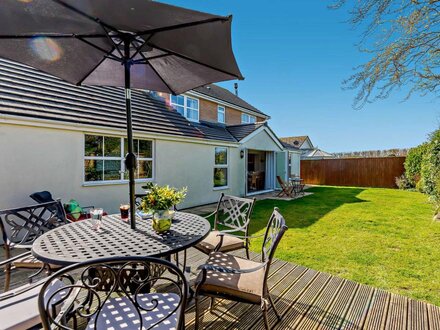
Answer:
[(413, 163), (430, 170), (402, 38)]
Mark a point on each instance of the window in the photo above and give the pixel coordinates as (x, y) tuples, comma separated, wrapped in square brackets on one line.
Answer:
[(221, 114), (186, 106), (104, 158), (221, 167), (248, 119)]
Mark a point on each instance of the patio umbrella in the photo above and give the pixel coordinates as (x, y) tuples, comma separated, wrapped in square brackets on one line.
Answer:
[(131, 44)]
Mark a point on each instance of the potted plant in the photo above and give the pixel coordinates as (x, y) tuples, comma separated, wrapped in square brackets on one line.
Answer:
[(161, 200)]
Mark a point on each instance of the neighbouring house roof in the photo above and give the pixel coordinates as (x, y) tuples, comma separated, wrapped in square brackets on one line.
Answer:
[(224, 95), (289, 146), (29, 93), (295, 141), (316, 153)]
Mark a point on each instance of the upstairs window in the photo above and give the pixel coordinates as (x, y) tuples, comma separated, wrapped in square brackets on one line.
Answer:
[(221, 114), (186, 106), (248, 119)]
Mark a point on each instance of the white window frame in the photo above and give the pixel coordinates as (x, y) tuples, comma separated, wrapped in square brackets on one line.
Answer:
[(248, 119), (226, 166), (122, 171), (186, 108), (221, 110)]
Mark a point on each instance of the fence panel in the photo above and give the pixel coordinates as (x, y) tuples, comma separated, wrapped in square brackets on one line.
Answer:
[(357, 172)]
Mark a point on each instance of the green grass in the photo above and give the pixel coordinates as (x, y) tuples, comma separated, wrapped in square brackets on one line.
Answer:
[(381, 237)]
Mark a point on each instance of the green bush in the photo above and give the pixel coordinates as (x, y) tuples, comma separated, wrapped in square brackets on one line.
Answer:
[(430, 172), (413, 164)]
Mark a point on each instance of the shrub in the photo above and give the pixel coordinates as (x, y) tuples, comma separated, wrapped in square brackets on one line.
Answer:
[(430, 172), (413, 164), (402, 182)]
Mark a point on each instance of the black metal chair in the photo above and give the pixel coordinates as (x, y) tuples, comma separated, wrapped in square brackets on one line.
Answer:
[(119, 293), (46, 197), (233, 278), (232, 215), (20, 227)]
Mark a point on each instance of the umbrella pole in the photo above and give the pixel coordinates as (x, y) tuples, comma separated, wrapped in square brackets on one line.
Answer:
[(130, 158)]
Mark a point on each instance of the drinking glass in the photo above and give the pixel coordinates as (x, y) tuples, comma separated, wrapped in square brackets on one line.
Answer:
[(96, 218), (124, 208)]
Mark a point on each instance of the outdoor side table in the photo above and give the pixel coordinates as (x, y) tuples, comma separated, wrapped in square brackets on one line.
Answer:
[(77, 242)]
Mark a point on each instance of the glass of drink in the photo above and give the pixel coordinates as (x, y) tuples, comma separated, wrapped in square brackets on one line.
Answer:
[(96, 218), (124, 208)]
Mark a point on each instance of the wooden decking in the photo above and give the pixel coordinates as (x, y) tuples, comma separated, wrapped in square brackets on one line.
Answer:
[(308, 299)]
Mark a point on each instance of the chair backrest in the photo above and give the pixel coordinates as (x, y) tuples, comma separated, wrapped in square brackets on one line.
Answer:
[(275, 230), (234, 212), (156, 296), (42, 197), (24, 224), (281, 182)]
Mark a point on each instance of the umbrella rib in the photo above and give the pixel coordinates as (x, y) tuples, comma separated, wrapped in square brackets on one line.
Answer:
[(107, 53), (195, 61), (183, 25), (138, 49), (80, 12), (157, 73)]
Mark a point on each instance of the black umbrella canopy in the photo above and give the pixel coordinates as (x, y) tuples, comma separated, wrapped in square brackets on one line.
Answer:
[(131, 43), (80, 41)]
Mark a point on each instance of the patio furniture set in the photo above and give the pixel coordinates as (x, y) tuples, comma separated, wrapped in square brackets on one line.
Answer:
[(120, 277), (292, 188)]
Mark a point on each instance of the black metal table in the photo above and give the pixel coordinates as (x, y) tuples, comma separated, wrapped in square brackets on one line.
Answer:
[(76, 242)]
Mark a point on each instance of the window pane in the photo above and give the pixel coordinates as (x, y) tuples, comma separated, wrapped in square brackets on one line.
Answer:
[(220, 114), (135, 146), (220, 177), (252, 119), (192, 103), (221, 156), (93, 145), (178, 99), (179, 109), (145, 169), (112, 147), (244, 118), (111, 170), (93, 169), (192, 114), (145, 149)]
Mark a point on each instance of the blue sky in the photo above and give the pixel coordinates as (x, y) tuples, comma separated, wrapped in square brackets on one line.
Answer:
[(294, 55)]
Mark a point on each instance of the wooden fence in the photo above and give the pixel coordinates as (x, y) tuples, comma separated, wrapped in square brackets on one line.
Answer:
[(356, 172)]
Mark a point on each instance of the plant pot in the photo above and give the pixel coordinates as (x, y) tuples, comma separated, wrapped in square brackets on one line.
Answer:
[(162, 220)]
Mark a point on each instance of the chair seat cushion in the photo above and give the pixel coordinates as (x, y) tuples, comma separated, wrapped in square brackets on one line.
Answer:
[(158, 310), (230, 243), (21, 311), (247, 287), (30, 262)]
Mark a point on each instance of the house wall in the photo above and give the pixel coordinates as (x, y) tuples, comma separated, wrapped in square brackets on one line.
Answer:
[(36, 158), (262, 141)]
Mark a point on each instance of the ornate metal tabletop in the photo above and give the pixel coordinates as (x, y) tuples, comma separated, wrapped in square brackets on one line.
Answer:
[(76, 242)]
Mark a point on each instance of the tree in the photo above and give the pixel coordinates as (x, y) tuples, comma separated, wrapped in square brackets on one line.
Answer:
[(403, 39)]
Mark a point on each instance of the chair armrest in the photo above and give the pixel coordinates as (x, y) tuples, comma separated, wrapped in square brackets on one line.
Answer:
[(22, 246), (208, 267), (210, 215), (10, 260), (88, 207)]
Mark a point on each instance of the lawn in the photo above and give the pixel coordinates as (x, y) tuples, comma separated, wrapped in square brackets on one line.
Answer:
[(381, 237)]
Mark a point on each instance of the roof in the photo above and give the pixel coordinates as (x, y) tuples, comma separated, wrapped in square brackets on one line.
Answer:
[(288, 146), (223, 94), (243, 130), (317, 153), (295, 141), (30, 93)]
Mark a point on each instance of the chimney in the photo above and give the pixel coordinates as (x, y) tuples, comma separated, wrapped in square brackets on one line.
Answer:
[(236, 89)]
